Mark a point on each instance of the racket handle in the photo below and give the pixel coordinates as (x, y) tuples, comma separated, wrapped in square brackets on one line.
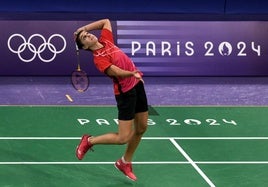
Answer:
[(76, 47), (78, 59)]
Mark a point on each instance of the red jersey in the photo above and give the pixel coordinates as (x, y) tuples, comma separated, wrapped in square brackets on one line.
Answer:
[(109, 55)]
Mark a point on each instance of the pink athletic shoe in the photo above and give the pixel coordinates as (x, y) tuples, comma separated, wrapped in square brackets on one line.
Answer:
[(126, 169), (83, 147)]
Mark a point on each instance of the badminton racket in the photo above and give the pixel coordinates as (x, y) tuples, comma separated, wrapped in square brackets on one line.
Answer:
[(80, 80)]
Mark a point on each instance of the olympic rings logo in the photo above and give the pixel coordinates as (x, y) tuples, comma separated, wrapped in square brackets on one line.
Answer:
[(36, 50)]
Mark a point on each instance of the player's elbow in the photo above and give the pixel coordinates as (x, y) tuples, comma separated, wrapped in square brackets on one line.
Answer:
[(113, 71)]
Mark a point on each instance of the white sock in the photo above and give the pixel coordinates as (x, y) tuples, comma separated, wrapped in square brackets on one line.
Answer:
[(124, 161)]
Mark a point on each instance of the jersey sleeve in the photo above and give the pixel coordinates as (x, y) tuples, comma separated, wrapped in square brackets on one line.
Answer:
[(107, 34)]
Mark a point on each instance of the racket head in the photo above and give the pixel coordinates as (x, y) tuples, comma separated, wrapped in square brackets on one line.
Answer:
[(80, 80)]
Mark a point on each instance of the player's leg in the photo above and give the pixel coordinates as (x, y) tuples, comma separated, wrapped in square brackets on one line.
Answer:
[(126, 103), (124, 164), (140, 125), (123, 136), (140, 122)]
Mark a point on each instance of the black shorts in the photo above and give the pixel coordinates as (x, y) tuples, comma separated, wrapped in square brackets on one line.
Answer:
[(131, 102)]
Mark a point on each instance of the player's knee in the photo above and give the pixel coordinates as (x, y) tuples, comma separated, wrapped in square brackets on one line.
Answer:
[(123, 140), (141, 130)]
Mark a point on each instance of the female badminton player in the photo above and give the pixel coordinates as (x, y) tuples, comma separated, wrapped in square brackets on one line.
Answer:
[(128, 89)]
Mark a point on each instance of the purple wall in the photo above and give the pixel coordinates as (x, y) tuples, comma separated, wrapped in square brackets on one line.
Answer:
[(159, 48), (202, 48)]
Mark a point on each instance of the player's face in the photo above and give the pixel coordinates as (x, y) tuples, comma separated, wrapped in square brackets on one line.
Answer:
[(88, 39)]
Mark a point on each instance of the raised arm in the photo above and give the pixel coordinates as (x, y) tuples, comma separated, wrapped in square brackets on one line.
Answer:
[(97, 25)]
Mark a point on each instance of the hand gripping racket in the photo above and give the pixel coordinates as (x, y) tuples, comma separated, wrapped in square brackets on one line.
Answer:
[(80, 80)]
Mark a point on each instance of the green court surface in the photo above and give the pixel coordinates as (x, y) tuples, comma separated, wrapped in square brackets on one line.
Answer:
[(184, 146)]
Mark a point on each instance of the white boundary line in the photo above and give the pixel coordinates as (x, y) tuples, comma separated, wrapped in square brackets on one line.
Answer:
[(192, 163), (157, 106), (205, 138), (144, 138), (138, 163)]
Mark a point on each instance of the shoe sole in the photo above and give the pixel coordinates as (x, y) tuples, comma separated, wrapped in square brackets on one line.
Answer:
[(124, 174), (78, 147), (76, 153)]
